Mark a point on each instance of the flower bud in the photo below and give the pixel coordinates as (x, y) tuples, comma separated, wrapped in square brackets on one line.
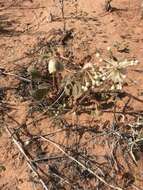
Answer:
[(109, 48), (55, 66), (97, 54), (93, 82), (87, 84)]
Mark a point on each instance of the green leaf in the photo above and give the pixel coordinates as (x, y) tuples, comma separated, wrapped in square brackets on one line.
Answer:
[(46, 56), (39, 94), (76, 90), (2, 168), (35, 74)]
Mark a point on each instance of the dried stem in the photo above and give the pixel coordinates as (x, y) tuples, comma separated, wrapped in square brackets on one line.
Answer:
[(28, 160), (63, 14), (131, 149), (80, 164), (16, 76)]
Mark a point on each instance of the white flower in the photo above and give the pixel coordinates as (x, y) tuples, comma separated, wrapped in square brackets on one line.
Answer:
[(98, 83), (124, 63), (108, 48), (93, 82), (87, 66), (95, 76), (119, 86), (97, 54), (116, 86), (100, 60), (26, 143), (132, 62), (103, 78), (87, 84), (116, 76), (84, 88), (112, 87), (136, 62), (54, 66)]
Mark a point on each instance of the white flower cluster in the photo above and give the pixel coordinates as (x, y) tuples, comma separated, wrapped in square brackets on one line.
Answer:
[(113, 71), (116, 72), (92, 76)]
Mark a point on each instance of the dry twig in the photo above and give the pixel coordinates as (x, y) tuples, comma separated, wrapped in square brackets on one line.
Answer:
[(28, 160), (82, 165)]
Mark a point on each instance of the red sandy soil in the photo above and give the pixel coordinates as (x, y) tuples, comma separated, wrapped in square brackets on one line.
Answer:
[(30, 21)]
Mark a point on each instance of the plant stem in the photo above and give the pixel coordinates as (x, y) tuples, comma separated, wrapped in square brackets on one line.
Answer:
[(63, 14)]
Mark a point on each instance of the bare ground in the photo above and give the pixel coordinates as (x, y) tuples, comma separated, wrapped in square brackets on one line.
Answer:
[(25, 25)]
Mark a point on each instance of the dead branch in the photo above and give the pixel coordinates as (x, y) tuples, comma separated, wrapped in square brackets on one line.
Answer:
[(80, 164), (28, 160), (16, 76)]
